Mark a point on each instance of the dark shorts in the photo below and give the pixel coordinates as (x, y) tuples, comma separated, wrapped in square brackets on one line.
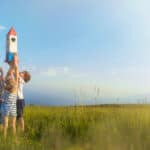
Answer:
[(20, 107)]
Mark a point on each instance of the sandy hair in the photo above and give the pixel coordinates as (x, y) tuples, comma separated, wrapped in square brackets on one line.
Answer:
[(27, 76)]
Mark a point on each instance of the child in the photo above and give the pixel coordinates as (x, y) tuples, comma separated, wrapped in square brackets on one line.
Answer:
[(1, 95), (24, 77), (10, 95)]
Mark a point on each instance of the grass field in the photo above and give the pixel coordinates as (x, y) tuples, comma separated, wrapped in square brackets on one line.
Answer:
[(112, 127)]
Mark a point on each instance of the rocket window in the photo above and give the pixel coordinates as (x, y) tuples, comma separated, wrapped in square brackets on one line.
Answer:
[(13, 39)]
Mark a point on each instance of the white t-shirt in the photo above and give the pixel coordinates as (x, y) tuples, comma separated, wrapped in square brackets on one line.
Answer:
[(20, 88)]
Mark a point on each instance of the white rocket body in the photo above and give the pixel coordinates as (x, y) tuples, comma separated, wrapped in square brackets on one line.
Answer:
[(11, 44)]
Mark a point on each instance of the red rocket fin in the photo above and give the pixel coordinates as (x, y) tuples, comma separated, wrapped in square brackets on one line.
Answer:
[(12, 32)]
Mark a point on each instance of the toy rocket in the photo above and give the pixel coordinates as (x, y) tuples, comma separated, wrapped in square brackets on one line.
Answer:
[(11, 45)]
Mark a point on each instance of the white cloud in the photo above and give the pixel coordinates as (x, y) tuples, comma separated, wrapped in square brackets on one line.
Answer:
[(52, 72), (56, 71), (2, 27), (63, 71), (66, 70)]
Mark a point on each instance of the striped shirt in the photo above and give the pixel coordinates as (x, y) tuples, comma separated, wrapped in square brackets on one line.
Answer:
[(9, 105)]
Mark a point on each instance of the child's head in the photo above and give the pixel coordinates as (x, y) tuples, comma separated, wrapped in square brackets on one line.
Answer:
[(25, 75)]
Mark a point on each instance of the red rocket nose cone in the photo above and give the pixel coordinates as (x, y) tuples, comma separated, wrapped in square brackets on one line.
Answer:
[(12, 32)]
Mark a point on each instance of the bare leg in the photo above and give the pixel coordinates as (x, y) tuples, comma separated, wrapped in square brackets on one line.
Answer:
[(21, 124), (1, 127), (14, 125), (5, 126), (21, 120)]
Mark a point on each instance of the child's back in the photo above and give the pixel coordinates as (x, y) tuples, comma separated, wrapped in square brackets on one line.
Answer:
[(10, 82)]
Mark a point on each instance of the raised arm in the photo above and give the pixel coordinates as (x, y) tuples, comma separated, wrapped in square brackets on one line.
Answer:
[(16, 65)]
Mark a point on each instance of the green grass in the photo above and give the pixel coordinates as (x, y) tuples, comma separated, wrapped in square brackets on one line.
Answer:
[(83, 128)]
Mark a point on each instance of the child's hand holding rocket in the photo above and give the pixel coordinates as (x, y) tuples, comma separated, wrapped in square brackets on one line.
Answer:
[(15, 61)]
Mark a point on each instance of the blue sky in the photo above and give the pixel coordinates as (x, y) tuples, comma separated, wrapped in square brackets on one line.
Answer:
[(73, 48)]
